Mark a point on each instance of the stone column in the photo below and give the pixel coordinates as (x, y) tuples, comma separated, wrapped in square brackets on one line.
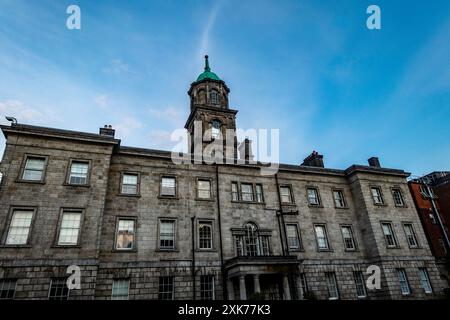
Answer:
[(242, 289), (230, 289), (256, 283), (287, 293)]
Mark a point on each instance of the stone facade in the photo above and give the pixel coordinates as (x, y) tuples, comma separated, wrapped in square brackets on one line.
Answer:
[(266, 262)]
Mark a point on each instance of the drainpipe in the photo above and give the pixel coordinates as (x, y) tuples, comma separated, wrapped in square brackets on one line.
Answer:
[(280, 213), (222, 267), (193, 257)]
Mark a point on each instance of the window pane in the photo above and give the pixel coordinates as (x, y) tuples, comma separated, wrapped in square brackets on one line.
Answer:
[(7, 289), (425, 280), (129, 184), (204, 189), (168, 186), (292, 235), (339, 199), (398, 198), (333, 292), (313, 196), (19, 227), (34, 169), (247, 192), (234, 192), (347, 234), (205, 235), (166, 288), (410, 236), (376, 195), (321, 235), (125, 234), (207, 287), (167, 235), (58, 289), (286, 195), (259, 193), (69, 230), (78, 172), (360, 284), (120, 289), (404, 285)]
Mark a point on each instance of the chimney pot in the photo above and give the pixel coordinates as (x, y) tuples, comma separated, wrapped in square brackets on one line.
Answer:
[(313, 160), (374, 162), (107, 130)]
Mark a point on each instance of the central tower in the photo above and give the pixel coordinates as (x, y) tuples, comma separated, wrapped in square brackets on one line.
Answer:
[(209, 107)]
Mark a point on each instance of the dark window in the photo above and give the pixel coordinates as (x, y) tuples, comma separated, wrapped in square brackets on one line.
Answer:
[(404, 283), (166, 288), (360, 284), (215, 129), (252, 243), (347, 235), (259, 193), (333, 292), (234, 191), (425, 280), (410, 235), (7, 289), (247, 192), (398, 197), (214, 97), (58, 289), (207, 287)]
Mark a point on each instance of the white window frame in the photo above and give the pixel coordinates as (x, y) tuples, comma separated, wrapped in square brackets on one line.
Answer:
[(44, 160), (124, 185), (378, 197), (315, 199), (327, 241), (86, 174), (117, 284), (65, 212), (332, 286), (118, 233), (425, 282), (392, 234), (208, 223), (297, 237), (352, 237), (360, 284), (27, 226), (405, 288), (408, 227)]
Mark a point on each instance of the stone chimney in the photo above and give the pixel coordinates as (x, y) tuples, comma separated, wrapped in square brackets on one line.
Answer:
[(374, 162), (313, 160), (245, 150), (107, 130)]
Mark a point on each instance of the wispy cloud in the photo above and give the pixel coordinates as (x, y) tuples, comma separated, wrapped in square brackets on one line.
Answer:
[(117, 66), (204, 42), (25, 113), (127, 126), (169, 114), (102, 101)]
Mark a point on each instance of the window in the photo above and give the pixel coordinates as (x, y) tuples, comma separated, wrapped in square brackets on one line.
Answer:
[(125, 234), (69, 228), (19, 228), (321, 237), (303, 284), (389, 234), (34, 169), (234, 192), (120, 289), (204, 189), (259, 193), (398, 197), (78, 172), (410, 235), (58, 289), (247, 192), (403, 280), (168, 186), (425, 280), (167, 234), (205, 235), (7, 289), (313, 197), (214, 96), (339, 200), (215, 129), (347, 235), (293, 236), (286, 194), (130, 183), (376, 195), (207, 287), (166, 288), (333, 292), (360, 284), (251, 243)]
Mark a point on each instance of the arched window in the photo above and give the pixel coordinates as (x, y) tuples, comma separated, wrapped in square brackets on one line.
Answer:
[(205, 235), (201, 96), (215, 129), (214, 97)]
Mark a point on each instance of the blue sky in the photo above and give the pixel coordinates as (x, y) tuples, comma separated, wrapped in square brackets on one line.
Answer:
[(310, 68)]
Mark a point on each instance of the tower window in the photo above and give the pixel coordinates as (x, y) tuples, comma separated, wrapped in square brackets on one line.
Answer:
[(214, 97), (215, 129)]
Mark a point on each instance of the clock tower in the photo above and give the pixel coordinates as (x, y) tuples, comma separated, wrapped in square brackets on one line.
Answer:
[(211, 123)]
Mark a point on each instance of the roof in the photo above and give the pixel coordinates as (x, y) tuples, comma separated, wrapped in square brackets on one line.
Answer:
[(207, 74)]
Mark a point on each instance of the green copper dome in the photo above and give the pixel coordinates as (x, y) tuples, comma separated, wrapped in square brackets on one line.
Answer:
[(207, 74)]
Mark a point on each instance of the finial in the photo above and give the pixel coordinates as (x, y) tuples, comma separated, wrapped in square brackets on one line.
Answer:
[(207, 64)]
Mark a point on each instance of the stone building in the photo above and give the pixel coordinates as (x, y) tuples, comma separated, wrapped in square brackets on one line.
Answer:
[(140, 226)]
